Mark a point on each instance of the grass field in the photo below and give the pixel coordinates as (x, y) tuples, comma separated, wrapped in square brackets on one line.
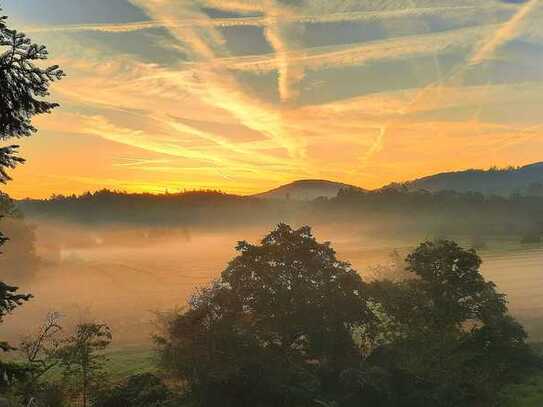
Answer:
[(528, 394), (129, 360)]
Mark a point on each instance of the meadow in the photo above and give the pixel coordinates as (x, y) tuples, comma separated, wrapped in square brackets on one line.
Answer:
[(125, 275)]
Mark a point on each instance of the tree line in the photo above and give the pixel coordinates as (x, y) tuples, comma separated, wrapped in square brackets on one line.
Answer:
[(396, 207)]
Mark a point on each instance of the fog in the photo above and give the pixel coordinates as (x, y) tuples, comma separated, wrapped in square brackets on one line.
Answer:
[(123, 275)]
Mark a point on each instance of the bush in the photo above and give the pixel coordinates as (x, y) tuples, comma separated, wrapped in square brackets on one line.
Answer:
[(141, 390)]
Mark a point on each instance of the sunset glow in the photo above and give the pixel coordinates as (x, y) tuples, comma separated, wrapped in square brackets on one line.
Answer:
[(243, 96)]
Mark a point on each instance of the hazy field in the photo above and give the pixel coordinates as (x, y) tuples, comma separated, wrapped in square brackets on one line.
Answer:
[(123, 276)]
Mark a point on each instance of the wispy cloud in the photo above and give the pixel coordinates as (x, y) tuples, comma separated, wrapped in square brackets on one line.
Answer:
[(504, 33), (264, 21), (206, 121), (223, 90)]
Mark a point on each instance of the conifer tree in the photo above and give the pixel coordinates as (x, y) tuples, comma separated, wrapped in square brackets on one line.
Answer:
[(24, 87)]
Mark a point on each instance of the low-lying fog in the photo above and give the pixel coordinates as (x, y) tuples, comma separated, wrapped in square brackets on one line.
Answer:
[(123, 275)]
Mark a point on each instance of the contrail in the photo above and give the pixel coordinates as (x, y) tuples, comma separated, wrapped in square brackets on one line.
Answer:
[(260, 21), (506, 32)]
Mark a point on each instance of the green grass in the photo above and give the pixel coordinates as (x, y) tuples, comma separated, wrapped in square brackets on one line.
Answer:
[(122, 362), (528, 394), (128, 360)]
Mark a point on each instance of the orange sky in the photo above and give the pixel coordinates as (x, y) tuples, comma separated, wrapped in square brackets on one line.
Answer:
[(245, 95)]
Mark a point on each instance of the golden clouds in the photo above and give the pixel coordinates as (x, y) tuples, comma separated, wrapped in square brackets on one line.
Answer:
[(245, 122)]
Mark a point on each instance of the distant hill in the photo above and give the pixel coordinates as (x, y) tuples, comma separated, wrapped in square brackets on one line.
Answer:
[(527, 180), (306, 190)]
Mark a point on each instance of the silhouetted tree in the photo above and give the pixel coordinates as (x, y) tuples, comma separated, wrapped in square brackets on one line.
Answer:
[(39, 355), (81, 360), (23, 85), (140, 390), (276, 329), (9, 300), (448, 339)]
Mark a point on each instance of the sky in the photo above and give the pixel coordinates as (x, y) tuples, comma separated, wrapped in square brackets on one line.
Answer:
[(242, 96)]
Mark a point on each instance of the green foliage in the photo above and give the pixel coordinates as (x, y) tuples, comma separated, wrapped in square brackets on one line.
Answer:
[(450, 340), (276, 329), (81, 360), (140, 390), (528, 393), (289, 324), (127, 361), (454, 290), (380, 212)]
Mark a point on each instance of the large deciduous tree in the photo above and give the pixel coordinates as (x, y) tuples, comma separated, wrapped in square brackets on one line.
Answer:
[(448, 339), (275, 329), (288, 323)]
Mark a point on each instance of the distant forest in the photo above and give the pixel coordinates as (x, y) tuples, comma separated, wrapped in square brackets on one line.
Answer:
[(394, 210), (526, 180)]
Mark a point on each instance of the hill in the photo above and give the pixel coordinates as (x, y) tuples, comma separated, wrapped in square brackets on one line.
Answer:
[(306, 190), (527, 180)]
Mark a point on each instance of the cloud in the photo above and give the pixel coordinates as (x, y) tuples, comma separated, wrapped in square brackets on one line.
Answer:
[(284, 36), (357, 54), (222, 88), (202, 122), (505, 33), (452, 12)]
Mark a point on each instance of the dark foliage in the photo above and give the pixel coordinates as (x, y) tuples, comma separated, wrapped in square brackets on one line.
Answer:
[(23, 87), (141, 390), (82, 361), (276, 329), (190, 208), (289, 324), (449, 339), (526, 180), (398, 210), (438, 213), (9, 300)]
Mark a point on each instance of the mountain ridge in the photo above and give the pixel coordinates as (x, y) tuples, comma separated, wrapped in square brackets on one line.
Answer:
[(306, 190), (526, 180)]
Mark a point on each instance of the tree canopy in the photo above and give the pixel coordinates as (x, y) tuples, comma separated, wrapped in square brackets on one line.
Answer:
[(275, 329), (448, 338), (290, 324)]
